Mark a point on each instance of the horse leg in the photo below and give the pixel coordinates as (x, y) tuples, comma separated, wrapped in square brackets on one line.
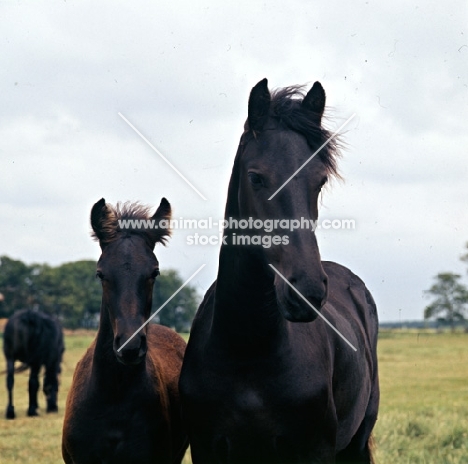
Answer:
[(358, 451), (10, 412), (33, 389), (51, 388), (361, 448)]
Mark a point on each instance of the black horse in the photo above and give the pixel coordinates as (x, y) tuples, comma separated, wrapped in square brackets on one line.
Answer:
[(36, 340), (123, 406), (265, 380)]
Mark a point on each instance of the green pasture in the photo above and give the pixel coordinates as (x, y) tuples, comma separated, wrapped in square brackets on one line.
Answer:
[(423, 414)]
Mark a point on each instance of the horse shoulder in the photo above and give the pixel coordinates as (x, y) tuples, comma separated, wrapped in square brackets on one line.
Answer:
[(349, 291), (72, 426), (164, 363), (354, 313)]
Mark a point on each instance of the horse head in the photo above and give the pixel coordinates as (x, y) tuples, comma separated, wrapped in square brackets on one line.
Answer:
[(127, 269), (282, 164)]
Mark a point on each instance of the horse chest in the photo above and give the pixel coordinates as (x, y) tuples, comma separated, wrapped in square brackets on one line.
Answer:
[(264, 394), (125, 442), (266, 407), (119, 432), (263, 425), (118, 438)]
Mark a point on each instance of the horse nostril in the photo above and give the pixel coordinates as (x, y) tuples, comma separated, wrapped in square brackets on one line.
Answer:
[(290, 293), (143, 345), (325, 283)]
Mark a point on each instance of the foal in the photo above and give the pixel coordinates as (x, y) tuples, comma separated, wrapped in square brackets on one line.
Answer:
[(123, 406)]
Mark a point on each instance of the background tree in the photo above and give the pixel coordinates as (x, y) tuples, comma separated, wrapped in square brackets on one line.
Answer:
[(464, 257), (450, 299), (179, 312), (70, 291), (15, 286)]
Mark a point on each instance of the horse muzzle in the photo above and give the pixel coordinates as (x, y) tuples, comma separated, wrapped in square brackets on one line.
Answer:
[(130, 351)]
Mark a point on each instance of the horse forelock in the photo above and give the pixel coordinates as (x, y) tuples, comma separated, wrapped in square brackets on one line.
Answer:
[(286, 108), (130, 210), (111, 224)]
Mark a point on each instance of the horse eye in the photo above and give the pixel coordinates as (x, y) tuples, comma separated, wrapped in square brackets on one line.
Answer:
[(99, 275), (255, 179)]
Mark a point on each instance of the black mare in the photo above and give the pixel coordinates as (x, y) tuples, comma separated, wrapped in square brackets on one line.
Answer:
[(265, 380)]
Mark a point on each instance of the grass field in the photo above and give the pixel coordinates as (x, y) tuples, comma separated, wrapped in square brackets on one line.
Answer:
[(423, 414)]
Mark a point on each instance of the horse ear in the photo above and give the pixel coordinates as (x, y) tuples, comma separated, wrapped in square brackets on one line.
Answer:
[(102, 222), (162, 218), (259, 106), (315, 100)]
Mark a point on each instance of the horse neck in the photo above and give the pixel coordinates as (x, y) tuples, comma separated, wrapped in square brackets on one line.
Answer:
[(245, 308)]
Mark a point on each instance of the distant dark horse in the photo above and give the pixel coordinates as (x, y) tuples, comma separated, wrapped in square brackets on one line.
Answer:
[(264, 379), (123, 406), (36, 340)]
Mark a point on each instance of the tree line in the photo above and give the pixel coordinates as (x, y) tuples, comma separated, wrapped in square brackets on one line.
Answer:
[(449, 298), (72, 292)]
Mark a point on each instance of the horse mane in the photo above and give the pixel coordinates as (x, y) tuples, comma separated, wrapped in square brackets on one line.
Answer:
[(111, 229), (129, 210), (286, 107)]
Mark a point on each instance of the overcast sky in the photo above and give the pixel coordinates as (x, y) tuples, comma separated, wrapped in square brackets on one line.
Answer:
[(181, 72)]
